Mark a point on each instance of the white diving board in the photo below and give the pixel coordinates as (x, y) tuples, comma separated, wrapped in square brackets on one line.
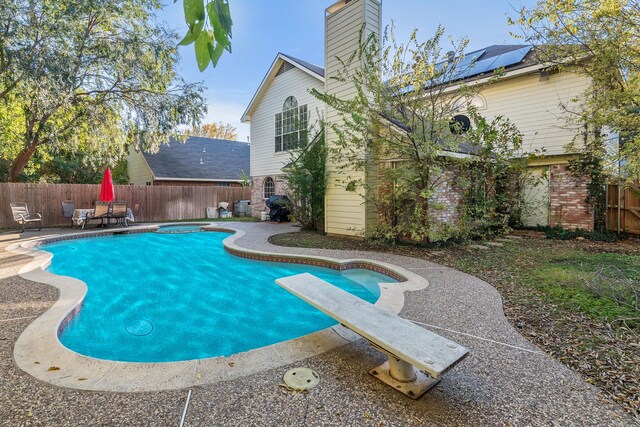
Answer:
[(407, 345)]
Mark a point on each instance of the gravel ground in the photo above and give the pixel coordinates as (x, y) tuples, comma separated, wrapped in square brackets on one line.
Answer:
[(505, 381)]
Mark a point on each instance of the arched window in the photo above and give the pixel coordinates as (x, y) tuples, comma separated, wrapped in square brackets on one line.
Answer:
[(291, 125), (289, 103), (268, 187)]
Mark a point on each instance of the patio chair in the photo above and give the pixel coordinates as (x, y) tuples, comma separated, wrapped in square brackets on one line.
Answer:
[(101, 211), (67, 210), (119, 212), (22, 216)]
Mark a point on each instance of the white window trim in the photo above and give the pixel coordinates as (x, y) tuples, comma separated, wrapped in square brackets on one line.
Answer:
[(300, 128)]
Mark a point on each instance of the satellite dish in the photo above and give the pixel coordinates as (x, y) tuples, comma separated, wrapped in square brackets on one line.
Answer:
[(459, 124)]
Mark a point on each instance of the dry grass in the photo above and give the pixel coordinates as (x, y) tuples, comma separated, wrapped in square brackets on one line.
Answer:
[(573, 298)]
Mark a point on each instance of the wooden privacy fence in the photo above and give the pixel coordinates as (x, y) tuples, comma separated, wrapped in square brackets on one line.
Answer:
[(629, 212), (159, 203)]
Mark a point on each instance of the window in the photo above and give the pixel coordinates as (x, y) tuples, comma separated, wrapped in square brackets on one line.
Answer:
[(291, 125), (268, 187)]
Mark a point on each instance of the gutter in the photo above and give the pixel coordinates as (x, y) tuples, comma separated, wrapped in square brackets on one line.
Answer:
[(509, 74), (164, 178)]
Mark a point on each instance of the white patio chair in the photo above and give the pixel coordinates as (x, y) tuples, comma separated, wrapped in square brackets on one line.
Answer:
[(22, 216)]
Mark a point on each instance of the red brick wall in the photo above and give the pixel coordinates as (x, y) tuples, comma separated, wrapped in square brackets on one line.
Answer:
[(257, 196), (568, 195)]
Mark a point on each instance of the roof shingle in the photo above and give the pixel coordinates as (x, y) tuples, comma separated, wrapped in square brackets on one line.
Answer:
[(200, 159)]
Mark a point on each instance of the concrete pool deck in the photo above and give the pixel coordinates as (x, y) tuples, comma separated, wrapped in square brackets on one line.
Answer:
[(505, 381)]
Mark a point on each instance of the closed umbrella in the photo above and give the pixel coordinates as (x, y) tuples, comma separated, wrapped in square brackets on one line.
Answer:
[(106, 188)]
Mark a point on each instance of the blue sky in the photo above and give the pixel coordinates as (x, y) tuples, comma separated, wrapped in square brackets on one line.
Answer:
[(262, 28)]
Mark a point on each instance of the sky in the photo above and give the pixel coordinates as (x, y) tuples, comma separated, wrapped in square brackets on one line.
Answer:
[(262, 28)]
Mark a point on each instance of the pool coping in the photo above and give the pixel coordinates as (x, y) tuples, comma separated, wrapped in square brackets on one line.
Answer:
[(38, 350)]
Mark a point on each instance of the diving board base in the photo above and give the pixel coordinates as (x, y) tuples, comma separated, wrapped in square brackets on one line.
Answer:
[(413, 389)]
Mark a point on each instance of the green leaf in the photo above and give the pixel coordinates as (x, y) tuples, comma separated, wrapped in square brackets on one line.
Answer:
[(202, 45), (192, 33), (224, 15), (219, 32), (193, 11), (215, 53)]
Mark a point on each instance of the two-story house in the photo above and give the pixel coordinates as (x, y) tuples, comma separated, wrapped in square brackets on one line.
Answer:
[(531, 94)]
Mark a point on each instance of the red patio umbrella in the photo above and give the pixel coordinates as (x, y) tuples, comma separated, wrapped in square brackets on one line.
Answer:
[(106, 188)]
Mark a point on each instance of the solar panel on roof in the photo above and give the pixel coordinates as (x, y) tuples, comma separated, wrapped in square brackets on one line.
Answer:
[(470, 67), (466, 65), (478, 67), (511, 58), (469, 58)]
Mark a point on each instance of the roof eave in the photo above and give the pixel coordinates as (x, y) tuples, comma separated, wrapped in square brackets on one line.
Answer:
[(509, 73), (268, 78)]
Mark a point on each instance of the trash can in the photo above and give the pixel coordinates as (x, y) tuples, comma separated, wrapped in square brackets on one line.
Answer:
[(242, 207)]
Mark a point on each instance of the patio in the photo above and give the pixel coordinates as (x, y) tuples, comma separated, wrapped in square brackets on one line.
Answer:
[(505, 380)]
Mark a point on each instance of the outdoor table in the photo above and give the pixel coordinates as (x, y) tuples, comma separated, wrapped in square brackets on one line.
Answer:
[(80, 216)]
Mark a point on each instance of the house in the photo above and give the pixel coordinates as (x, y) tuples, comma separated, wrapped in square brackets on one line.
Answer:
[(531, 94), (279, 112), (197, 161)]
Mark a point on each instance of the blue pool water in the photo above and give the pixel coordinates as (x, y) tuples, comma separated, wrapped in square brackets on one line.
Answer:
[(166, 297)]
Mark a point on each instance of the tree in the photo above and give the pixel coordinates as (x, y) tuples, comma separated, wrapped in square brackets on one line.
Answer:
[(598, 39), (399, 127), (102, 67), (306, 182), (209, 44), (217, 130), (75, 157)]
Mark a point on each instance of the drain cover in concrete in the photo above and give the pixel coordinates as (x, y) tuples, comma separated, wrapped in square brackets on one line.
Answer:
[(139, 327), (301, 378)]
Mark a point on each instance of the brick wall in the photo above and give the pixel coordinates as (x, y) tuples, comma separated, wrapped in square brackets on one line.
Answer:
[(444, 204), (447, 198), (257, 196), (568, 195)]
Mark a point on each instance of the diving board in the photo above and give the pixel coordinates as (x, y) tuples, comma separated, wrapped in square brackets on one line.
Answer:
[(407, 345)]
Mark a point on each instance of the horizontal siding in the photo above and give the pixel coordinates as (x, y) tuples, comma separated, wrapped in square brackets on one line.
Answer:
[(137, 169), (345, 211), (346, 16), (295, 82), (535, 107)]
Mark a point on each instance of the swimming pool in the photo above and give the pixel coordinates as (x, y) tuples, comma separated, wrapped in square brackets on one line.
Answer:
[(169, 297)]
